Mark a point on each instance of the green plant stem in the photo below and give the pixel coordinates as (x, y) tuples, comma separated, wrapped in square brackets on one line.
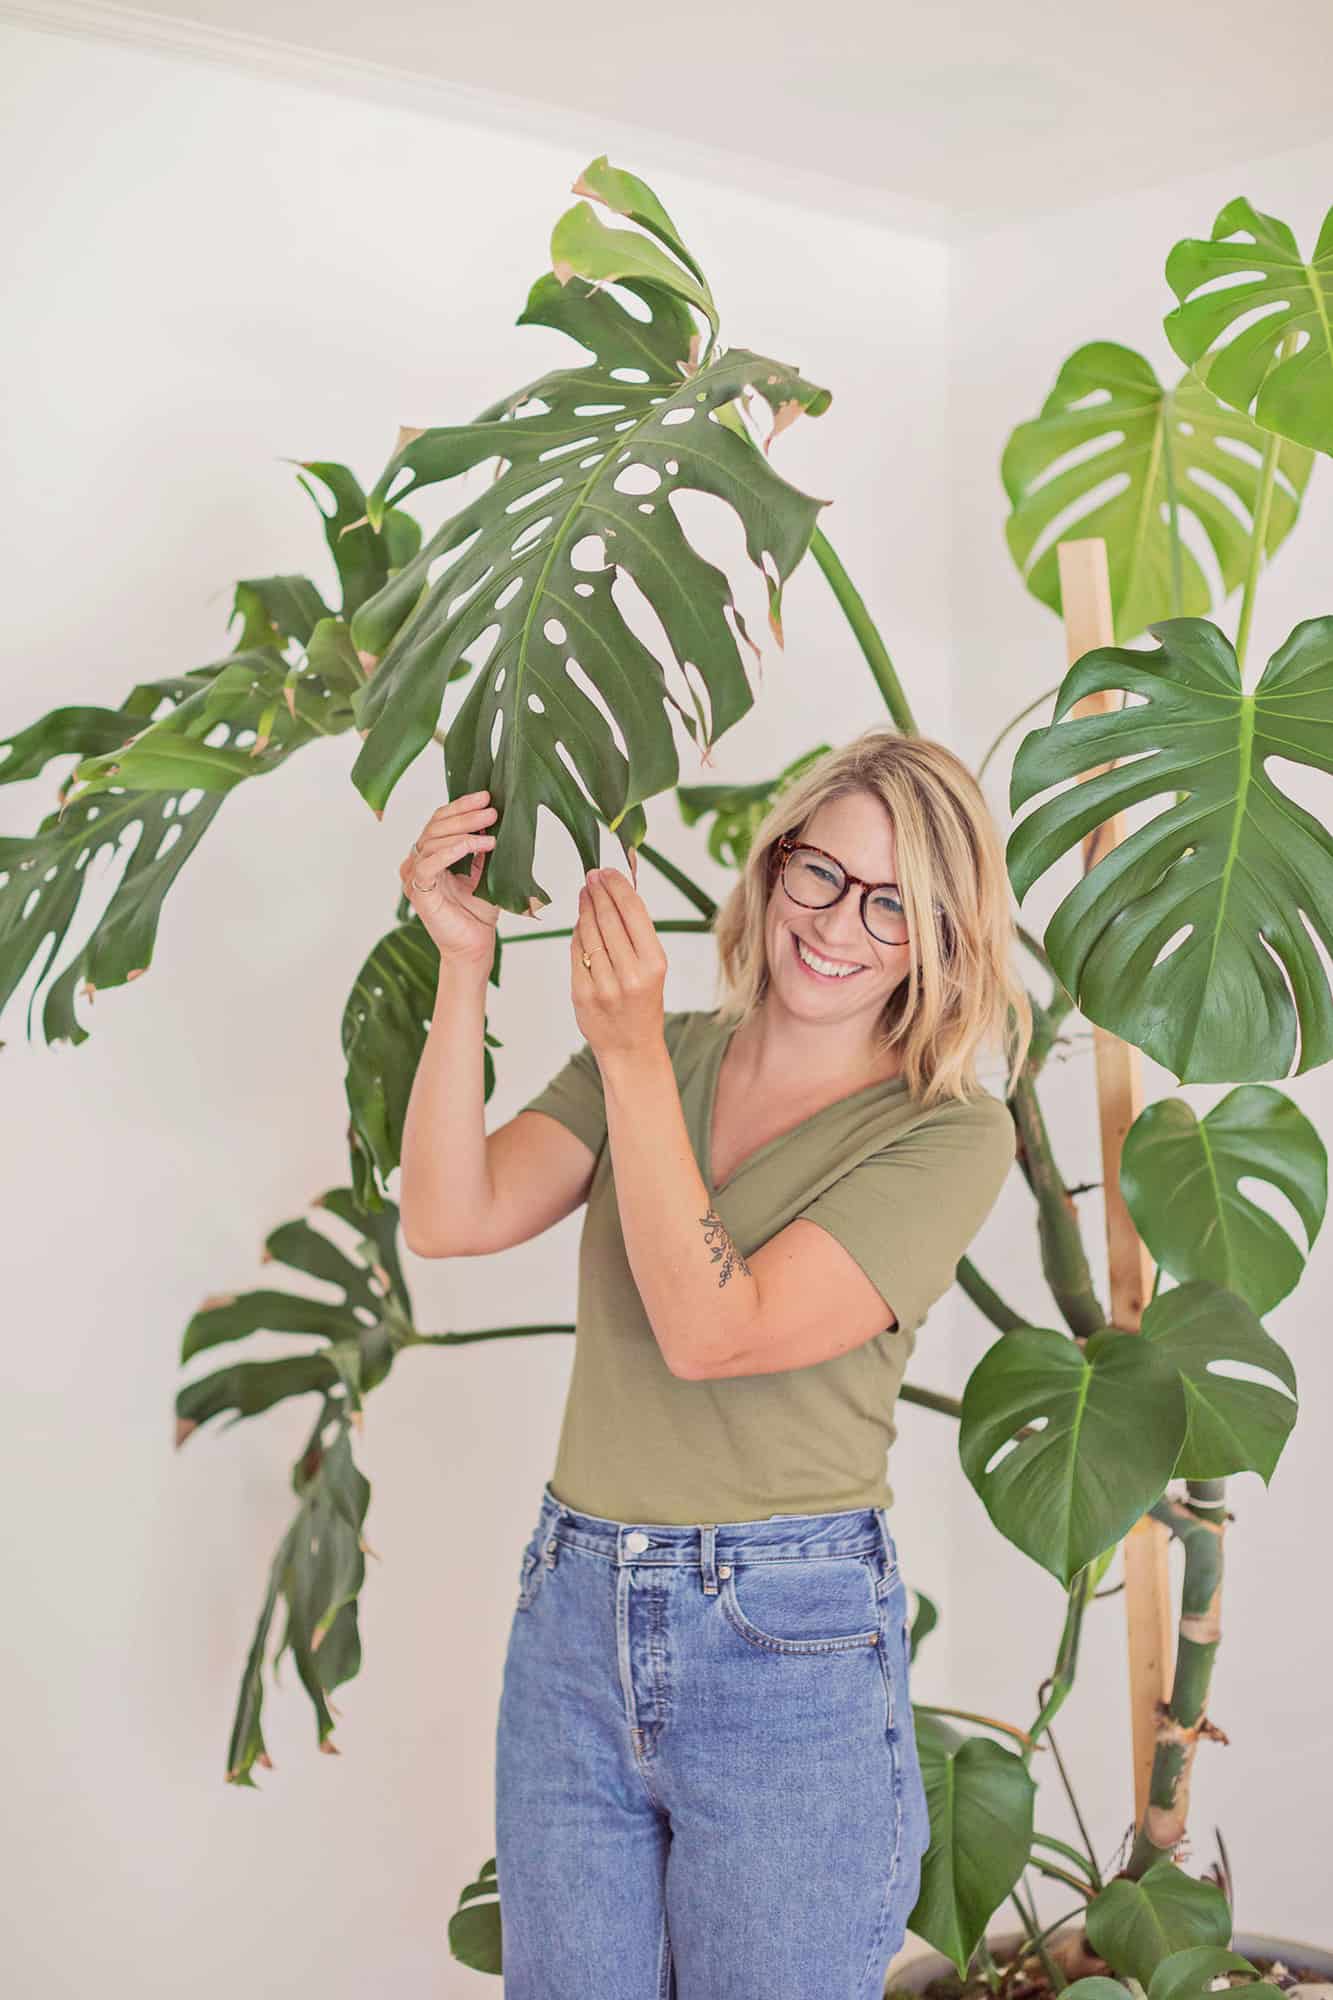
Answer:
[(931, 1399), (867, 633), (1013, 723), (1090, 1851), (1036, 1937), (1061, 1681), (1063, 1256), (1199, 1524), (985, 1298)]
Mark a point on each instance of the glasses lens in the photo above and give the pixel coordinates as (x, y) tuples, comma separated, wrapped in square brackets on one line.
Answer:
[(814, 881)]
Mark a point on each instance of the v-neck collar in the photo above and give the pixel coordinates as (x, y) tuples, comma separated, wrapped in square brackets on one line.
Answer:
[(711, 1075)]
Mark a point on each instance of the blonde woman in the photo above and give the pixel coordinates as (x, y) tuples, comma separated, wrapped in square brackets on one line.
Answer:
[(707, 1784)]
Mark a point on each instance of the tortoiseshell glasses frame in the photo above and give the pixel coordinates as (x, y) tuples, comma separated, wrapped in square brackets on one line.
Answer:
[(786, 846)]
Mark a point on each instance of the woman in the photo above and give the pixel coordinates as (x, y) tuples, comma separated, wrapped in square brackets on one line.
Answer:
[(707, 1784)]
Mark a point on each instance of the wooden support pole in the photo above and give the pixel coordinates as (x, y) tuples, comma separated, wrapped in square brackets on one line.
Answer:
[(1085, 597)]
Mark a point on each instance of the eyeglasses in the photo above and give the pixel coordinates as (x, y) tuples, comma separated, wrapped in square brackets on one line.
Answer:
[(817, 880)]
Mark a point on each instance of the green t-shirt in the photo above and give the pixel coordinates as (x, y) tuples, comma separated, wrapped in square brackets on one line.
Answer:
[(902, 1188)]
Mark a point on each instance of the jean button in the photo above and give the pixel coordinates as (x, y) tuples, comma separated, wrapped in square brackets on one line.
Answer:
[(637, 1541)]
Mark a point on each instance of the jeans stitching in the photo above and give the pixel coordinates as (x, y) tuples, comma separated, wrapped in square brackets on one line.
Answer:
[(753, 1636)]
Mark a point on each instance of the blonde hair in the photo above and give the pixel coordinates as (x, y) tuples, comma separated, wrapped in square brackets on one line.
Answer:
[(961, 992)]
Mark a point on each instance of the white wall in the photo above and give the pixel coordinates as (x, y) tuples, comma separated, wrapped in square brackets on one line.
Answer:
[(1025, 298), (209, 272)]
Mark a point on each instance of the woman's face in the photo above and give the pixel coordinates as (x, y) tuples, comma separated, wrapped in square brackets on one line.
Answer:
[(857, 831)]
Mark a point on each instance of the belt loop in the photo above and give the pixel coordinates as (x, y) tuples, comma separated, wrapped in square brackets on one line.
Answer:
[(552, 1545), (890, 1550), (707, 1552)]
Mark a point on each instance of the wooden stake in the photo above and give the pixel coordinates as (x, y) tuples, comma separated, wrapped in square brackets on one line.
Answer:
[(1085, 596)]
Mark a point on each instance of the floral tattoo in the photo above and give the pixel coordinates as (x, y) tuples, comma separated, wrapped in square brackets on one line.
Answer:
[(723, 1249)]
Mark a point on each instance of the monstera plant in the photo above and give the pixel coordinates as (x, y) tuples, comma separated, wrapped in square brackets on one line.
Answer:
[(1195, 939)]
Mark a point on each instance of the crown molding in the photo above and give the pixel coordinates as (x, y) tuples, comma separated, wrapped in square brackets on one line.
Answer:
[(348, 76)]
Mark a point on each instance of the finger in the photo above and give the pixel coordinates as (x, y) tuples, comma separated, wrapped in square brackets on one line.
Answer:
[(631, 912), (587, 937), (611, 923), (445, 826)]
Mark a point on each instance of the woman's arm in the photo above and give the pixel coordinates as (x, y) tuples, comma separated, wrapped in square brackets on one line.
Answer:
[(445, 1190), (700, 1295)]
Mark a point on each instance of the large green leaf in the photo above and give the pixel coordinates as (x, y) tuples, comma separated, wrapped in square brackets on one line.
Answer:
[(384, 1027), (1285, 299), (364, 1329), (1235, 1425), (589, 460), (1068, 1445), (1233, 862), (143, 767), (1136, 1925), (475, 1929), (981, 1799), (317, 1572), (42, 878), (1183, 1179), (1108, 418)]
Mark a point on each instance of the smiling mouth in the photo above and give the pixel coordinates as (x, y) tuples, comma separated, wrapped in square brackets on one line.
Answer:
[(830, 978)]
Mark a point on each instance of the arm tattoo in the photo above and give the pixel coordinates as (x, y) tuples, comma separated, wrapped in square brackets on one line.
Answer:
[(722, 1247)]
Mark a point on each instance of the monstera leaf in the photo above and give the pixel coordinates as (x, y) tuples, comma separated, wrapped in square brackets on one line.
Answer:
[(362, 1332), (735, 811), (42, 878), (1184, 1182), (1093, 1434), (1192, 938), (152, 773), (1288, 304), (1109, 414), (1234, 1425), (518, 589), (981, 1801), (319, 1567), (475, 1928), (384, 1028), (317, 1573), (1136, 1925)]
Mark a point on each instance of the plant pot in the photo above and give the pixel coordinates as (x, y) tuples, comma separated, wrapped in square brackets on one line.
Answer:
[(1311, 1964)]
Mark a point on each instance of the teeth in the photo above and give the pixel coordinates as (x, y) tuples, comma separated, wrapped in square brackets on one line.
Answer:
[(824, 965)]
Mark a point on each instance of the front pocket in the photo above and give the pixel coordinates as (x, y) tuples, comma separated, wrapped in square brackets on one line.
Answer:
[(809, 1604)]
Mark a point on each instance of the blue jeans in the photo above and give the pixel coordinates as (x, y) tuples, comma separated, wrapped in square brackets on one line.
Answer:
[(707, 1784)]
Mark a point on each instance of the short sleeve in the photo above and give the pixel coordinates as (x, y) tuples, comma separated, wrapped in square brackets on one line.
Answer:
[(908, 1212), (575, 1095)]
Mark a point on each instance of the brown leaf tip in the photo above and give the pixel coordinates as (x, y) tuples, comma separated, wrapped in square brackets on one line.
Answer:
[(328, 1748), (184, 1425), (408, 434), (564, 272)]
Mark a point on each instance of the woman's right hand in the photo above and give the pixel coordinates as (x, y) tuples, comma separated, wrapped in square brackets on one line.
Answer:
[(461, 923)]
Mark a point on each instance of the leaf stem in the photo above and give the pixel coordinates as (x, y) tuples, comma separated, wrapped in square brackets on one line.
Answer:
[(1173, 504), (867, 633)]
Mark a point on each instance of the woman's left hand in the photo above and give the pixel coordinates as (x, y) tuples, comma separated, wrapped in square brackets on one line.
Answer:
[(618, 998)]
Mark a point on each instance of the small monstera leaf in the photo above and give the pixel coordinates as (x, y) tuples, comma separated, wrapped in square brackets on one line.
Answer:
[(384, 1027), (1278, 367), (735, 811), (1184, 1182), (1136, 1925), (1093, 1433), (317, 1573), (1190, 938), (364, 559), (1235, 1425), (152, 782), (981, 1801), (362, 1332), (1109, 408), (517, 589), (474, 1927), (42, 877)]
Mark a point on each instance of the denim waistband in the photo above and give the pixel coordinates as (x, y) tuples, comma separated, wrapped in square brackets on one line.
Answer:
[(852, 1532)]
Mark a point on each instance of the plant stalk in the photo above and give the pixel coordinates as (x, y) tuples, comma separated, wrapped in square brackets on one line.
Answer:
[(1063, 1256), (867, 633)]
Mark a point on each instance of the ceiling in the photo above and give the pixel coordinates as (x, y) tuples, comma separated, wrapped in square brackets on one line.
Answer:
[(952, 116)]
